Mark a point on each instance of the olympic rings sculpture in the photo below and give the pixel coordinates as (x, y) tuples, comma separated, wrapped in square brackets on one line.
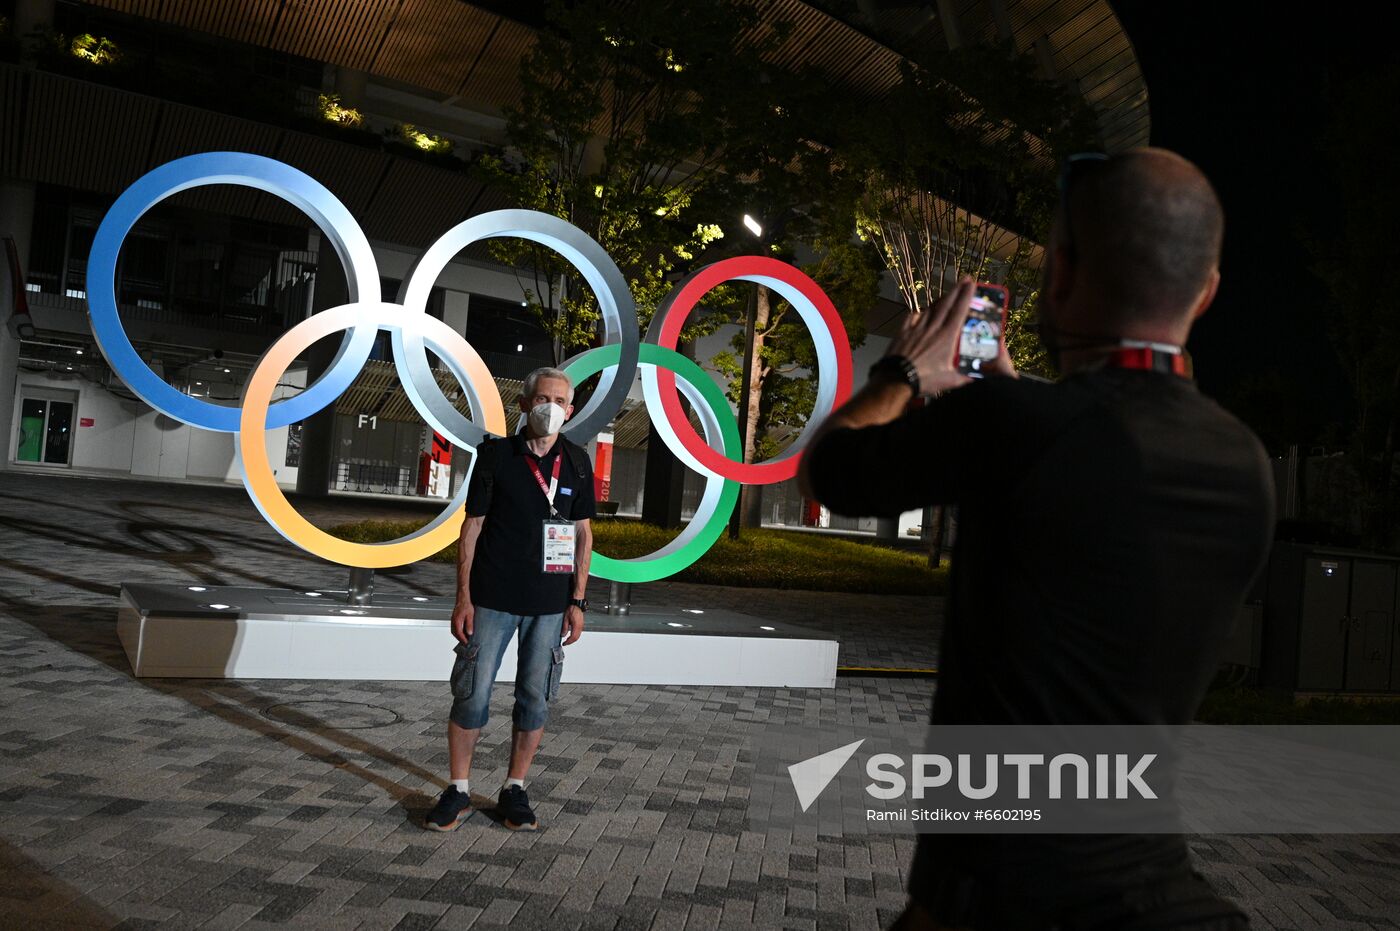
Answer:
[(717, 456)]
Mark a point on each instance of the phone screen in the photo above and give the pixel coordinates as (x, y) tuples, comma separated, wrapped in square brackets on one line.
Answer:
[(981, 336)]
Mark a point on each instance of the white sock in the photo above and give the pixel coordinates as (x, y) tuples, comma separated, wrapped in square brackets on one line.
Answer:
[(460, 784), (515, 782)]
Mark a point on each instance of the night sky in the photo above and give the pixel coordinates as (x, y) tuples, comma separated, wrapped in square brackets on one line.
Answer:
[(1241, 89)]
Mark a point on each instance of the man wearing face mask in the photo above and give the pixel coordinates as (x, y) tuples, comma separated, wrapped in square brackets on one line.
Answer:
[(522, 569), (1110, 525)]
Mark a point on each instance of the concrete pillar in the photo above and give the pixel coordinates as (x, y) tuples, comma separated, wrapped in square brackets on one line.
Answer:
[(456, 305), (350, 85), (1045, 56), (887, 528), (664, 484), (1003, 22), (318, 430), (952, 29), (17, 221)]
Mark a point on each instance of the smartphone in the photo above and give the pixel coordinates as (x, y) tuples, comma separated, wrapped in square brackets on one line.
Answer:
[(980, 342)]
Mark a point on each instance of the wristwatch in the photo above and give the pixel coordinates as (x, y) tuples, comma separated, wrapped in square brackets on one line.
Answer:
[(896, 369), (580, 603)]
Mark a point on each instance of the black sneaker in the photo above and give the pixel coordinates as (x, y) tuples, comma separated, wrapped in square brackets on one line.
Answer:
[(515, 810), (451, 810)]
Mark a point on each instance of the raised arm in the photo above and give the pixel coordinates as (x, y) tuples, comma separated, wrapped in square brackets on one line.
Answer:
[(929, 341)]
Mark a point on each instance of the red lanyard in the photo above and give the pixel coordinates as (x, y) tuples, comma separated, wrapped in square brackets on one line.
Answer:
[(1152, 360), (553, 485)]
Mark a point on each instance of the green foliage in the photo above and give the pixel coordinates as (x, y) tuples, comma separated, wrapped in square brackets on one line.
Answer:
[(762, 559), (627, 118), (654, 128), (1239, 705), (96, 50), (1022, 341), (332, 110), (959, 164), (79, 55), (407, 139)]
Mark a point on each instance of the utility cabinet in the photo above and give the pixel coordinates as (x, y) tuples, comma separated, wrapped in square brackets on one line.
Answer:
[(1329, 621)]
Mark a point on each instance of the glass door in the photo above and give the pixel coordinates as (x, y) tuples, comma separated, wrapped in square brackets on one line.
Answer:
[(45, 431)]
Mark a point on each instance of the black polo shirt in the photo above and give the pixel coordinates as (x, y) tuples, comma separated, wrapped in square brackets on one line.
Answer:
[(1109, 528), (507, 572)]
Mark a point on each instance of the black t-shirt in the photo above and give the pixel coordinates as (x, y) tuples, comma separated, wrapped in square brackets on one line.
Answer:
[(507, 572), (1109, 528)]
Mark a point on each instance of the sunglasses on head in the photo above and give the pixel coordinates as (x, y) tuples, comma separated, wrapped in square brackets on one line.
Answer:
[(1074, 166)]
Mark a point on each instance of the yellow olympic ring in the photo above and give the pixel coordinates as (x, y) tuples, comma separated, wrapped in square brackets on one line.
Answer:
[(251, 438)]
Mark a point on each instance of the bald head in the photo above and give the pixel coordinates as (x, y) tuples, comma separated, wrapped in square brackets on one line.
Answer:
[(1147, 228)]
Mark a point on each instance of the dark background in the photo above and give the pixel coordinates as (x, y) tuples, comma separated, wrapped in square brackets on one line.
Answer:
[(1243, 90)]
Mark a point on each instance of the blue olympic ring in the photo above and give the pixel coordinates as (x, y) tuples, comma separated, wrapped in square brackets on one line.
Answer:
[(252, 171), (615, 302)]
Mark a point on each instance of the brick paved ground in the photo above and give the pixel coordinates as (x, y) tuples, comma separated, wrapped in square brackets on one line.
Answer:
[(293, 804)]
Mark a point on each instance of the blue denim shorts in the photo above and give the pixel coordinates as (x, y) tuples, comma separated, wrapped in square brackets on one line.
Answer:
[(538, 667)]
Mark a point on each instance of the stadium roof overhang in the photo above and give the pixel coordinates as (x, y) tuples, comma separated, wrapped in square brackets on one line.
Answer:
[(468, 56)]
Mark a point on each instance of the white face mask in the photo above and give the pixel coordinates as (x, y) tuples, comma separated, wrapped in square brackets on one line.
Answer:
[(546, 419)]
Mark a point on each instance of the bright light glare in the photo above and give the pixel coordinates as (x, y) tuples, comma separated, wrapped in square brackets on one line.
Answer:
[(753, 225)]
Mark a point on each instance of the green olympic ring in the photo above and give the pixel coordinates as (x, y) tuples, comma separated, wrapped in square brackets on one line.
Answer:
[(721, 494)]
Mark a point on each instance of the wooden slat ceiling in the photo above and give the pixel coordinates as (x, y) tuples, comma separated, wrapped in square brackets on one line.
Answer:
[(65, 119), (58, 118), (1088, 49), (462, 52), (432, 45), (450, 202)]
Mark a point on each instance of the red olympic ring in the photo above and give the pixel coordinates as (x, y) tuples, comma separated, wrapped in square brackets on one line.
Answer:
[(767, 271)]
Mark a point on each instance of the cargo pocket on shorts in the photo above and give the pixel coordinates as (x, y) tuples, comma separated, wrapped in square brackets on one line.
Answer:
[(556, 673), (464, 669)]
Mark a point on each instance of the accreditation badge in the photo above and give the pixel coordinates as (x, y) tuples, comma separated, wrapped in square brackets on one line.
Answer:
[(558, 546)]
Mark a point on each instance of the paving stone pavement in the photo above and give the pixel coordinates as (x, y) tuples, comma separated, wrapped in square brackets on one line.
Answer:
[(257, 804)]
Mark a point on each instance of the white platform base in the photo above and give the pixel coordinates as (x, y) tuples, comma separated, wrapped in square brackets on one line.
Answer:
[(242, 633)]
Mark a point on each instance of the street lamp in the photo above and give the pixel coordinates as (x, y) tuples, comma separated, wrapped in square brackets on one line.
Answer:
[(753, 226)]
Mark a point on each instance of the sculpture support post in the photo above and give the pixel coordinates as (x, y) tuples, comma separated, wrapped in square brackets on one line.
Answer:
[(361, 586), (619, 598)]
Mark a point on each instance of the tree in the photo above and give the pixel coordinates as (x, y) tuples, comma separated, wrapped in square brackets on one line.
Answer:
[(783, 389), (654, 127), (956, 160), (959, 169), (804, 196), (629, 116)]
